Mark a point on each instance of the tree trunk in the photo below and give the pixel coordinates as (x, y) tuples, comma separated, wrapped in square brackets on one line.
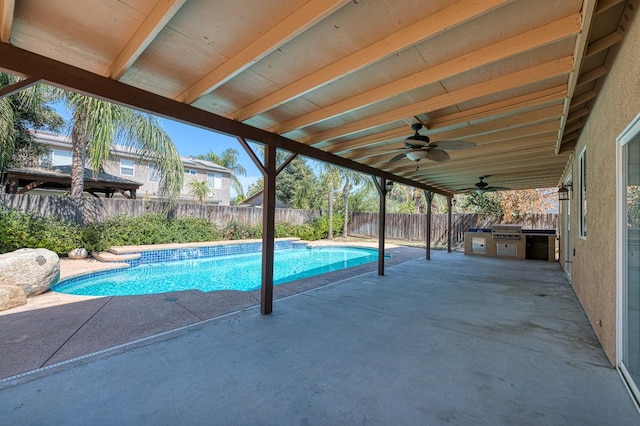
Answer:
[(79, 142), (345, 194), (330, 236)]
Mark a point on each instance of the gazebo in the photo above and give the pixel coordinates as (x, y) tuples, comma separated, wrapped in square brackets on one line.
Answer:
[(20, 180)]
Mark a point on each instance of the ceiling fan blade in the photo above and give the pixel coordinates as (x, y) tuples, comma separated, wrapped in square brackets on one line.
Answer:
[(497, 188), (397, 157), (452, 145), (438, 155)]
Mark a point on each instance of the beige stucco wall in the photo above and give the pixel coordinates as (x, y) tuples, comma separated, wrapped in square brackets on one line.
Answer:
[(593, 273), (141, 174)]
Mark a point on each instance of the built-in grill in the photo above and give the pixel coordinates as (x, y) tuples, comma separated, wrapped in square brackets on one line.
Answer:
[(506, 232)]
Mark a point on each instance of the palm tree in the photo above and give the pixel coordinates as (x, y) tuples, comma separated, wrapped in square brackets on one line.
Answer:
[(20, 112), (350, 178), (199, 189), (99, 125), (331, 177), (228, 159)]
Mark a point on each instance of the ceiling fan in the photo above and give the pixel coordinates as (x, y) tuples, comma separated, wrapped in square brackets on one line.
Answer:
[(481, 187), (417, 147)]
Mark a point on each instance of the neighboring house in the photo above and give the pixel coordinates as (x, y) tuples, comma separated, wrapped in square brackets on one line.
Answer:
[(257, 200), (125, 164)]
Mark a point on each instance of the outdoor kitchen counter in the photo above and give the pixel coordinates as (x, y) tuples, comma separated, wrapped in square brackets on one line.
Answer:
[(531, 244)]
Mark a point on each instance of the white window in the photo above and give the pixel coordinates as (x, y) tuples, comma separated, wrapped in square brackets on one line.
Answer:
[(61, 157), (582, 193), (154, 173), (126, 167), (214, 180), (190, 172)]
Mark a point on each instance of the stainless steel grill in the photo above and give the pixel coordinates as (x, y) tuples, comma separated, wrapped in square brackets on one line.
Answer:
[(506, 232)]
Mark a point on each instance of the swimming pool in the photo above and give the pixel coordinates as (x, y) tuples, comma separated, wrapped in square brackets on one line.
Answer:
[(228, 272)]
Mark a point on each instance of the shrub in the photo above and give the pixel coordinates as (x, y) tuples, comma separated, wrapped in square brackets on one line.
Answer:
[(304, 232), (321, 226), (239, 231), (150, 228), (189, 229), (19, 230), (25, 230)]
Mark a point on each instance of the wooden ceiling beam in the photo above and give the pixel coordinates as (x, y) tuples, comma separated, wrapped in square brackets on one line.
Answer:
[(293, 25), (584, 98), (23, 62), (603, 43), (502, 50), (592, 75), (16, 87), (538, 73), (512, 106), (157, 19), (579, 52), (7, 8), (557, 163), (508, 106), (510, 145), (604, 5), (533, 155), (437, 23), (458, 179)]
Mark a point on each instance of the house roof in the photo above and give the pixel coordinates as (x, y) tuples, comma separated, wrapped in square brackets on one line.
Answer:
[(59, 177), (58, 140), (342, 81)]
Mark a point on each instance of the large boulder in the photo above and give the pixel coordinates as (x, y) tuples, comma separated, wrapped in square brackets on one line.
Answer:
[(11, 296), (33, 270)]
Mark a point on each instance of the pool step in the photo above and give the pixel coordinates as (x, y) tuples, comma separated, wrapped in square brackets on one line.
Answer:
[(105, 256)]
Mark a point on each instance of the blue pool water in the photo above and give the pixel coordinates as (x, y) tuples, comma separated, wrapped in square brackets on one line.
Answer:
[(232, 272)]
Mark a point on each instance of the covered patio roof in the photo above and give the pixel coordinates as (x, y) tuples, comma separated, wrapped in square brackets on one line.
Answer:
[(19, 180), (342, 81)]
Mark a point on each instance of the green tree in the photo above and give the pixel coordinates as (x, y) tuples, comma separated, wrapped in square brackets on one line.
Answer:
[(365, 199), (229, 159), (20, 112), (295, 184), (332, 181), (349, 179), (98, 125), (199, 189)]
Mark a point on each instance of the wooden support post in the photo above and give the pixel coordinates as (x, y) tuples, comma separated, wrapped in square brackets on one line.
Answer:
[(449, 224), (269, 171), (268, 230), (429, 196), (382, 191)]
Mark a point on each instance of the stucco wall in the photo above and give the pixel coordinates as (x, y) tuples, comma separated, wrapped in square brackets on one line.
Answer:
[(593, 272)]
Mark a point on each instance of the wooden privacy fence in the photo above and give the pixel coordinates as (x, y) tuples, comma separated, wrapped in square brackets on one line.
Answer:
[(99, 209), (399, 226), (412, 227)]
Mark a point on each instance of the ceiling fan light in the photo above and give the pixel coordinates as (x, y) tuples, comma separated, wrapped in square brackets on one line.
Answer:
[(417, 155)]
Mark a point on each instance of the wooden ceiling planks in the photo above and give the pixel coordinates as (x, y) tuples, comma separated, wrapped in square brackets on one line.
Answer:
[(349, 77)]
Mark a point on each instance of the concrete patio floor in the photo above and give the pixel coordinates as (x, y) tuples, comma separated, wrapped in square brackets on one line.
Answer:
[(454, 340)]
